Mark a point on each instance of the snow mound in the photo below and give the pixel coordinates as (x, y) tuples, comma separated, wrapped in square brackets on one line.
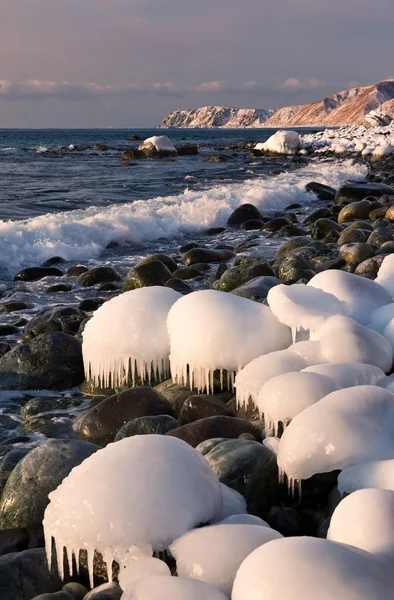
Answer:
[(374, 474), (282, 142), (160, 143), (381, 317), (283, 397), (136, 568), (243, 520), (303, 568), (365, 519), (301, 307), (343, 339), (146, 489), (233, 503), (127, 337), (362, 295), (386, 274), (211, 330), (228, 544), (172, 588), (347, 427), (349, 374)]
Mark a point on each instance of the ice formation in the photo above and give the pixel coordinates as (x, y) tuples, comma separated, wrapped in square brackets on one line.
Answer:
[(365, 520), (386, 274), (283, 397), (233, 503), (143, 490), (362, 295), (349, 374), (135, 568), (211, 330), (172, 588), (373, 474), (347, 427), (343, 339), (381, 317), (160, 143), (127, 337), (228, 544), (282, 142), (303, 307), (304, 568), (243, 520)]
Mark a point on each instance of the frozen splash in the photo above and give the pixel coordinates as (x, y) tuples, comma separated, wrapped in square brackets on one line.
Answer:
[(127, 338)]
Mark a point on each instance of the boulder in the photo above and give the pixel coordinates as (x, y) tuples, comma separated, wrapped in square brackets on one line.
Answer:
[(205, 255), (98, 275), (243, 213), (174, 394), (154, 424), (151, 273), (256, 289), (36, 273), (157, 146), (24, 575), (163, 258), (64, 318), (282, 143), (323, 192), (356, 252), (203, 405), (352, 192), (188, 150), (213, 427)]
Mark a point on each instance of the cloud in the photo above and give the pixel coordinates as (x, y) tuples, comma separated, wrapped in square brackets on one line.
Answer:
[(293, 83)]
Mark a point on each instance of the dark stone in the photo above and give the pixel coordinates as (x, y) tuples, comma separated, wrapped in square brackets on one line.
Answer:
[(62, 595), (98, 275), (156, 424), (291, 522), (24, 575), (352, 192), (50, 361), (8, 330), (293, 269), (36, 273), (186, 247), (320, 213), (213, 427), (13, 540), (13, 306), (216, 158), (352, 235), (188, 150), (76, 271), (202, 406), (386, 248), (293, 244), (356, 252), (379, 236), (275, 224), (109, 287), (90, 304), (9, 462), (323, 192), (178, 285), (4, 348), (163, 258), (174, 394), (204, 255), (371, 266), (234, 277), (107, 591), (55, 260), (256, 289), (77, 590), (243, 213), (102, 422), (152, 273), (25, 495), (59, 287), (42, 404), (186, 273), (65, 318), (246, 466), (215, 230), (252, 224), (100, 147), (128, 155), (322, 227)]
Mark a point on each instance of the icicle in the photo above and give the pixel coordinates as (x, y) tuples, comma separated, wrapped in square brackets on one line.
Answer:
[(60, 558), (299, 490), (108, 557), (90, 561), (293, 335), (48, 549), (69, 552)]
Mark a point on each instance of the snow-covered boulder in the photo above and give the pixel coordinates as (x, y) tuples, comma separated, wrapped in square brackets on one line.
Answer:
[(158, 145), (377, 119), (282, 142), (172, 588), (373, 474), (137, 566)]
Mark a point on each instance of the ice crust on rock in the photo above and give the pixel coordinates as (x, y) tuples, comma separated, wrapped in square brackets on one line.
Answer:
[(365, 519), (347, 427), (362, 295), (282, 142), (305, 568), (233, 503), (243, 519), (161, 143), (228, 544), (299, 306), (381, 317), (172, 588), (127, 337), (386, 274), (135, 568), (211, 330), (145, 490), (349, 374), (373, 474)]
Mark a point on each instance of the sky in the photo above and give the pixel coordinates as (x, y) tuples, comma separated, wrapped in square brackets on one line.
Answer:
[(128, 63)]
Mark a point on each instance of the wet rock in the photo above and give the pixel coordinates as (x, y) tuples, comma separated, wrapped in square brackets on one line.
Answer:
[(188, 150), (291, 231), (215, 230), (163, 258), (234, 277), (59, 287), (352, 235), (352, 192), (293, 244), (76, 271), (216, 158), (42, 404), (77, 590), (186, 273), (319, 213), (90, 304), (213, 427), (243, 213), (246, 466), (102, 422), (201, 406), (377, 213), (8, 330), (100, 147), (25, 495), (370, 266), (50, 361), (8, 463), (98, 275), (109, 287), (293, 269), (4, 348), (55, 260), (152, 273), (178, 285), (357, 252), (275, 224), (62, 595), (106, 591), (386, 248), (256, 289), (7, 307), (128, 155), (355, 211), (323, 192), (154, 424), (67, 318), (174, 394), (379, 236), (324, 226), (204, 255), (291, 522), (252, 224), (36, 273), (24, 575), (186, 247)]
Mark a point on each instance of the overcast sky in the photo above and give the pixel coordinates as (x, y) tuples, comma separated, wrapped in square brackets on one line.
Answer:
[(127, 63)]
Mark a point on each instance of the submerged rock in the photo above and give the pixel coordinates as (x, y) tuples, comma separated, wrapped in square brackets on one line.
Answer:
[(36, 273), (243, 213)]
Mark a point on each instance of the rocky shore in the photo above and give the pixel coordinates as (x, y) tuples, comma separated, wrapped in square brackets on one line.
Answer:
[(45, 434)]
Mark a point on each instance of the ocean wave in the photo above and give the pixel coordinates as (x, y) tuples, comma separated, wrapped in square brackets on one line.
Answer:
[(84, 233)]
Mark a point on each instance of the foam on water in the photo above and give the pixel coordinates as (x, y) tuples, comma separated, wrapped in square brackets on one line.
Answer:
[(82, 234)]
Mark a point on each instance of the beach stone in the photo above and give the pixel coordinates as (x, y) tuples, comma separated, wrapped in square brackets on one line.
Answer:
[(178, 285), (186, 273), (323, 192), (36, 273), (246, 466), (275, 224), (291, 522), (66, 318), (8, 330), (25, 495), (287, 247), (77, 590), (152, 150), (50, 361), (24, 575), (41, 404), (291, 231), (215, 230), (385, 223), (256, 289), (354, 211), (357, 252), (127, 155), (236, 276), (154, 424), (323, 227), (91, 304), (252, 224), (186, 247), (76, 271), (50, 426), (216, 158), (8, 463), (174, 394), (351, 236), (205, 255), (294, 268), (201, 406), (390, 213), (4, 348), (379, 236), (377, 213), (364, 225), (370, 266), (98, 275), (59, 287), (188, 150), (102, 422), (151, 273), (164, 258), (243, 213), (7, 307), (62, 595), (106, 591), (319, 213), (213, 427), (54, 260), (386, 248), (352, 192)]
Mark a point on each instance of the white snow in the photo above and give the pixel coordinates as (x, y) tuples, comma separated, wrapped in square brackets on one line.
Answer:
[(214, 554), (172, 588), (127, 337), (282, 142), (211, 330), (243, 520), (146, 489), (365, 520), (386, 274), (304, 568), (135, 568), (161, 143), (347, 427), (362, 295), (381, 317), (373, 474), (349, 374), (233, 503)]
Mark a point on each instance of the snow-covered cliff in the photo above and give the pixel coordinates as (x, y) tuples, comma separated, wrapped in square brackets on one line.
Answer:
[(217, 116)]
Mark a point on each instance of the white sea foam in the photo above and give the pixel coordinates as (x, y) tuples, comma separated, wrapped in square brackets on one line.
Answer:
[(82, 234)]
